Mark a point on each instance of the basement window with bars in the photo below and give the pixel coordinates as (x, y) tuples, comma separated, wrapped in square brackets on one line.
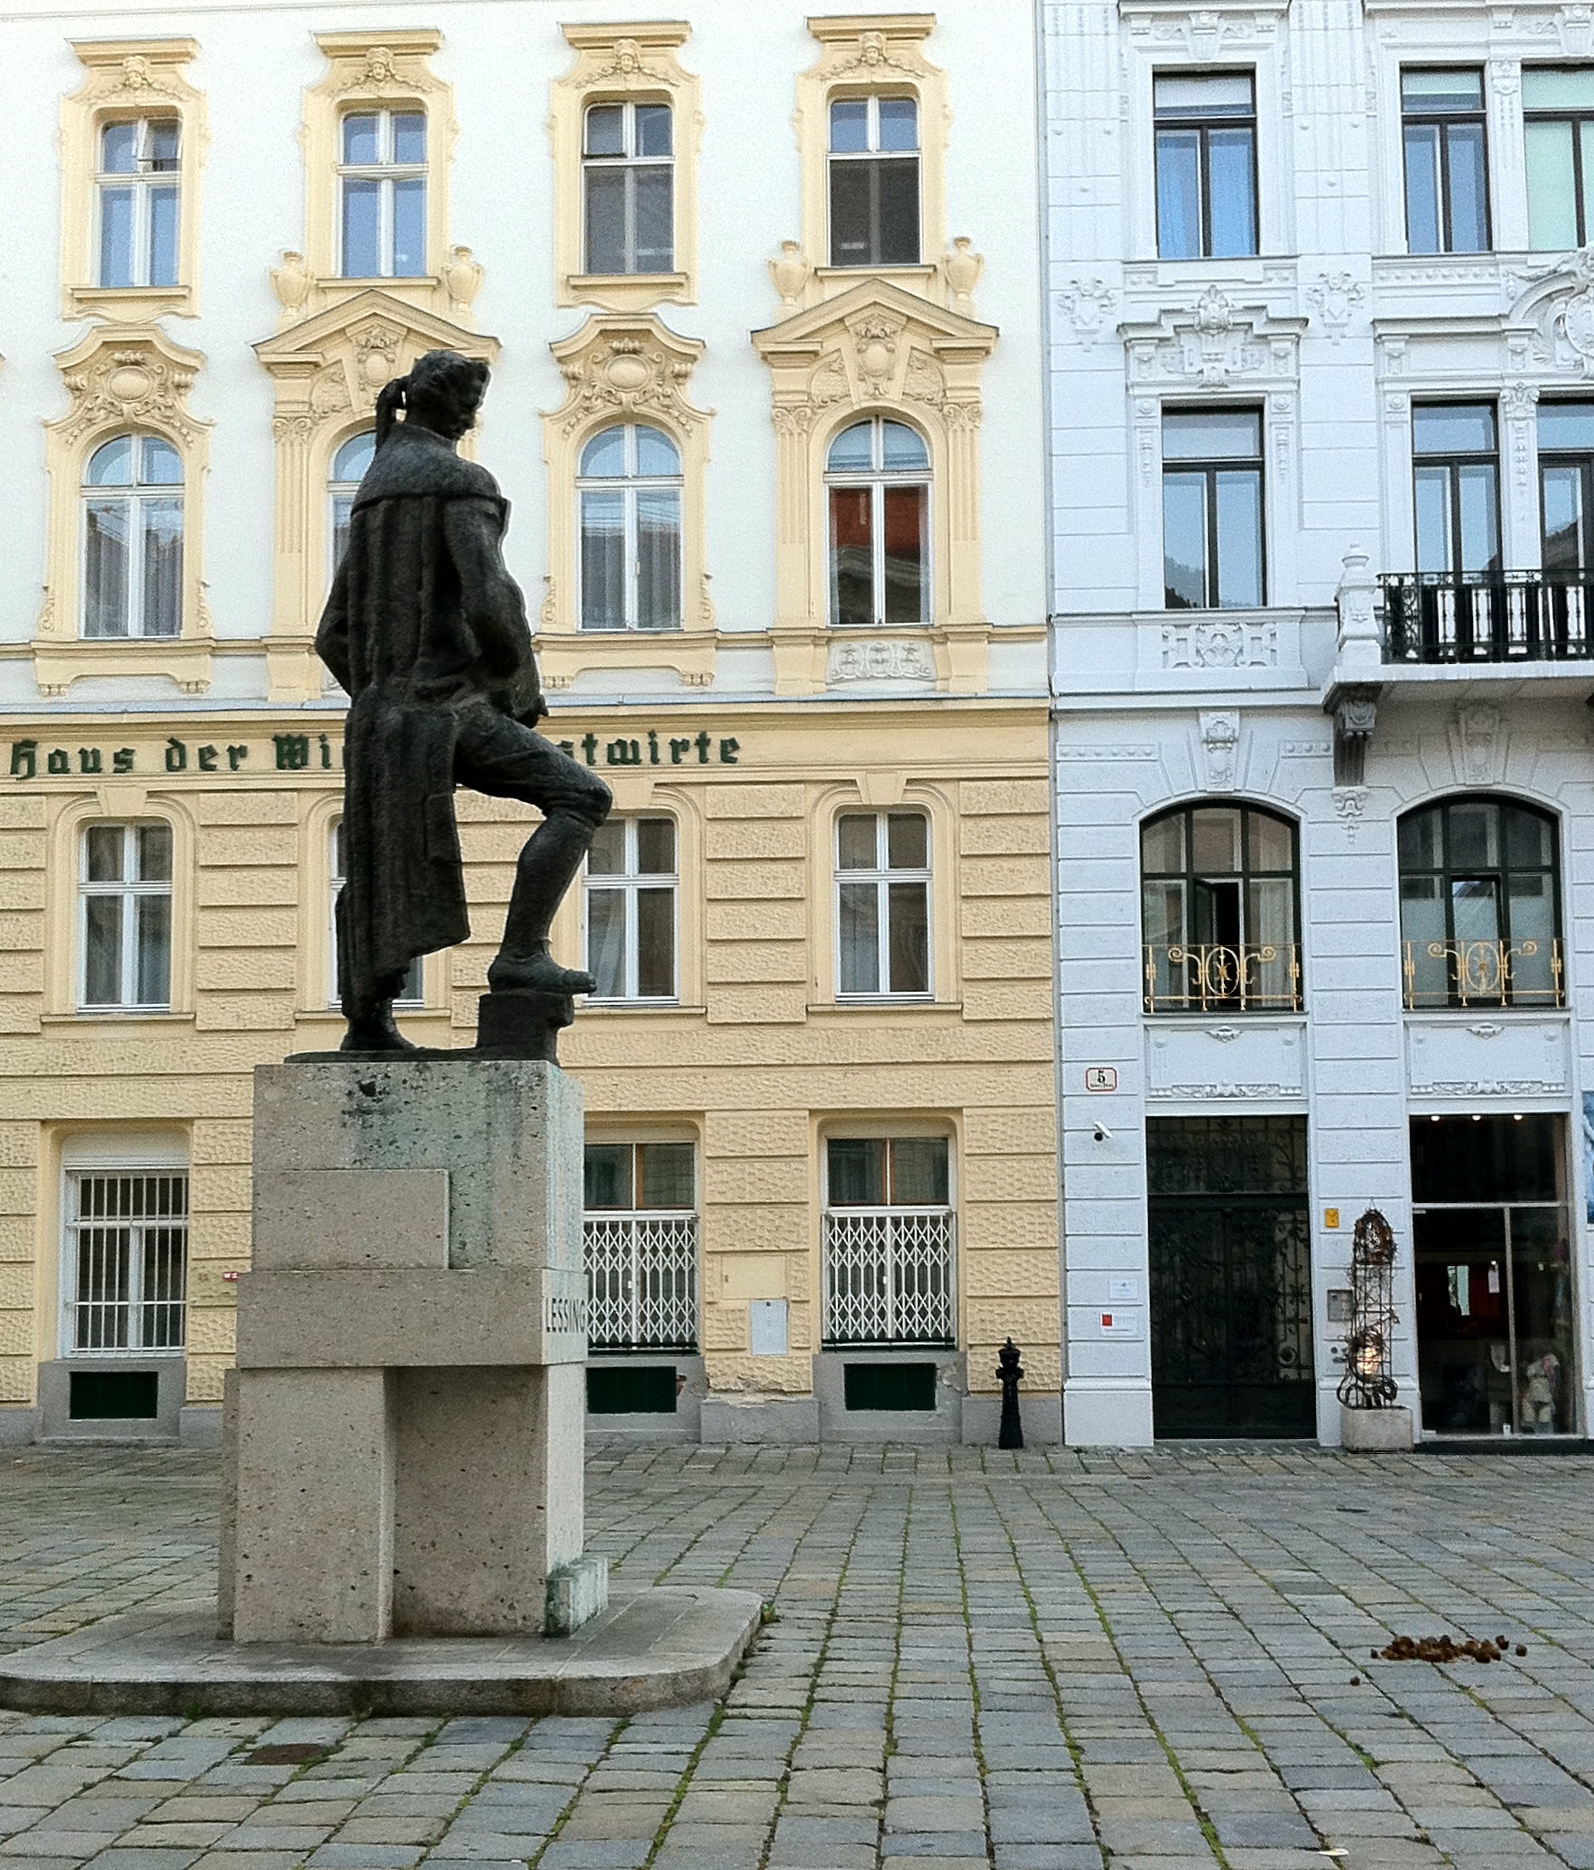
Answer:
[(641, 1246), (889, 1235), (126, 1260)]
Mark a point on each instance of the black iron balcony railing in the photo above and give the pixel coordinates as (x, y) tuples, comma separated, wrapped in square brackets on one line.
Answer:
[(1212, 977), (1488, 616)]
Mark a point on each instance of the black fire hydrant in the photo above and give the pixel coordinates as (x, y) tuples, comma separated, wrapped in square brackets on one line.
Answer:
[(1009, 1373)]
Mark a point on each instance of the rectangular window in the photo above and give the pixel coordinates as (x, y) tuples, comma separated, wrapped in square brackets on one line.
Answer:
[(628, 177), (1206, 165), (126, 1260), (413, 992), (1212, 538), (641, 1246), (888, 1230), (382, 188), (1456, 487), (125, 918), (883, 905), (137, 187), (1558, 130), (874, 181), (631, 887), (1447, 183), (1566, 486)]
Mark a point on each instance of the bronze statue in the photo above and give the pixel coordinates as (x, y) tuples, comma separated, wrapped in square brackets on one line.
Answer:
[(426, 631)]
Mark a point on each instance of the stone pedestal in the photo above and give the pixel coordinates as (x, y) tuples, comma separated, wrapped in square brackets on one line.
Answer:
[(404, 1427), (1375, 1431)]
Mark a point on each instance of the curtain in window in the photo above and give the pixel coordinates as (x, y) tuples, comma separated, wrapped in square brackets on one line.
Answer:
[(603, 559), (658, 519)]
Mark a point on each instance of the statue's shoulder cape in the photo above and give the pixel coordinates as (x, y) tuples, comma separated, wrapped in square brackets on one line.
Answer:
[(416, 464)]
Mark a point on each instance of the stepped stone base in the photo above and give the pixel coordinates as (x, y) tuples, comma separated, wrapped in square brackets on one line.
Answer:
[(655, 1649)]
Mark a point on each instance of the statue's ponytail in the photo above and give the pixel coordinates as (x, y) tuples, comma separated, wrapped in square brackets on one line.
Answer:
[(390, 400)]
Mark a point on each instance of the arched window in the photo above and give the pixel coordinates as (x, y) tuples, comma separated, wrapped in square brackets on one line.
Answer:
[(1480, 910), (382, 195), (878, 476), (137, 185), (1221, 903), (133, 538), (348, 470), (629, 487)]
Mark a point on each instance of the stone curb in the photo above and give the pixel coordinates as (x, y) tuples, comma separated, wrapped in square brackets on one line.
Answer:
[(661, 1648)]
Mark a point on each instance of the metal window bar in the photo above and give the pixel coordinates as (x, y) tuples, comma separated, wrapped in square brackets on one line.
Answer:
[(1504, 616), (642, 1281), (130, 1261), (889, 1276), (1481, 973), (1246, 977)]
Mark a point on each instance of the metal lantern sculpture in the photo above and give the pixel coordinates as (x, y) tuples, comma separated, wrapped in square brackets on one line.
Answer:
[(1368, 1382)]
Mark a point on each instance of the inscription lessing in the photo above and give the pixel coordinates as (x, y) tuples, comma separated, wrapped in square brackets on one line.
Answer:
[(561, 1313)]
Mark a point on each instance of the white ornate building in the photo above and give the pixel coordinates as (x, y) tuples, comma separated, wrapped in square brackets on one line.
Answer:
[(1321, 289)]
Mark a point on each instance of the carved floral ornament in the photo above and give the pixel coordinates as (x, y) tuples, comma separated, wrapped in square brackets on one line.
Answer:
[(332, 366), (137, 378), (381, 71), (1213, 343), (885, 351), (146, 76), (622, 367)]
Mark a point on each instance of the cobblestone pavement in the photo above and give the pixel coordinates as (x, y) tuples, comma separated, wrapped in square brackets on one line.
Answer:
[(1035, 1662)]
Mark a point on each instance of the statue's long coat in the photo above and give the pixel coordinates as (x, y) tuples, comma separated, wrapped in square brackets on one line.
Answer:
[(395, 634)]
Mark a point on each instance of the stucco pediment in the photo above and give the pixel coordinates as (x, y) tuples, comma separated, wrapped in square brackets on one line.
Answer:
[(877, 344), (1213, 343), (333, 364)]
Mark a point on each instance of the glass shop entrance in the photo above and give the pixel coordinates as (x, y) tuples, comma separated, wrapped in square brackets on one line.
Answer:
[(1491, 1228)]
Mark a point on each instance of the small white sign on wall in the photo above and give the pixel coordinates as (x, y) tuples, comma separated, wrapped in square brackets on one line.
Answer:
[(768, 1327), (1123, 1291), (1120, 1324)]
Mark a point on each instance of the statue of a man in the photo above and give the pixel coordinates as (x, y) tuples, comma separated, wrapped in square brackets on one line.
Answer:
[(427, 632)]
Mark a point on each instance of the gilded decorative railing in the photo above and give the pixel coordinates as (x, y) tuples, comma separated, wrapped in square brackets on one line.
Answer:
[(1213, 977), (1484, 973)]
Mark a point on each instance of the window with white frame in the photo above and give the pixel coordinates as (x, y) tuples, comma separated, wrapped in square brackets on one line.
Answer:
[(629, 489), (382, 195), (349, 466), (628, 182), (640, 1230), (125, 918), (889, 1239), (630, 891), (125, 1260), (137, 186), (1206, 165), (882, 905), (133, 538), (874, 181), (877, 479), (413, 992)]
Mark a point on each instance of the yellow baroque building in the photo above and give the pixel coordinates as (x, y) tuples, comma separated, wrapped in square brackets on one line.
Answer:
[(767, 402), (748, 1275)]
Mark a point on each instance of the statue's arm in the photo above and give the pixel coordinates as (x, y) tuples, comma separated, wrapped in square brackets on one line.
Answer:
[(332, 634), (493, 606)]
